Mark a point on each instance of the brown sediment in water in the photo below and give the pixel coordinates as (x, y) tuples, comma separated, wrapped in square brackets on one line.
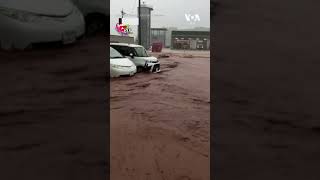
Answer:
[(160, 122)]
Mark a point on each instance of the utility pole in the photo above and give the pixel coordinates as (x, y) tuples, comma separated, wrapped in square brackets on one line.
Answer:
[(120, 19), (139, 16), (122, 13)]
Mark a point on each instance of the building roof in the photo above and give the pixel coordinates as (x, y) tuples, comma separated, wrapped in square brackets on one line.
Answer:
[(111, 35), (181, 32), (146, 6), (163, 29), (125, 44)]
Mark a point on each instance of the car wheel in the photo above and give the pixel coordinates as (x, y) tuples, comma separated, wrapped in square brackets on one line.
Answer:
[(157, 70), (95, 24), (93, 27), (139, 69)]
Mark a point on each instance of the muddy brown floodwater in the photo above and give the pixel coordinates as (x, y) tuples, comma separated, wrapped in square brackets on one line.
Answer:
[(160, 123), (53, 112)]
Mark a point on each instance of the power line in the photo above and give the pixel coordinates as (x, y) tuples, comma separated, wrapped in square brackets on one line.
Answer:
[(134, 5)]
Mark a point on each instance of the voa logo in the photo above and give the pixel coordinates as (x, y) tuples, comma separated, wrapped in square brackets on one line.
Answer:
[(192, 18)]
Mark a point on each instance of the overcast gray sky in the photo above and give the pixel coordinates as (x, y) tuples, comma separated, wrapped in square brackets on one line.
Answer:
[(173, 10)]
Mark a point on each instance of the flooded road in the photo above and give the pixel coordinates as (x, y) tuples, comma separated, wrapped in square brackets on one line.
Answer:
[(160, 122), (53, 105), (53, 112)]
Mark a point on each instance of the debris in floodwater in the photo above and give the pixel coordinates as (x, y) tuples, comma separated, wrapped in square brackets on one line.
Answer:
[(164, 56), (188, 56)]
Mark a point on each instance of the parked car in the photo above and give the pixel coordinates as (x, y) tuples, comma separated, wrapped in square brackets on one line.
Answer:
[(25, 23), (120, 65), (139, 56), (95, 13)]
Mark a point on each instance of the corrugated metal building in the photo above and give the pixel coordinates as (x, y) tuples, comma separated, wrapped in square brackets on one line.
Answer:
[(168, 36), (158, 35), (192, 40)]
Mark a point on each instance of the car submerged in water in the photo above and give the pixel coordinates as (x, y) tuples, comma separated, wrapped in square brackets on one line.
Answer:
[(25, 23), (120, 65), (139, 56)]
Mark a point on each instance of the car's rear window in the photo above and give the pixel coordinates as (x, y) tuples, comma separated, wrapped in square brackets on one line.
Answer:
[(114, 53), (122, 49)]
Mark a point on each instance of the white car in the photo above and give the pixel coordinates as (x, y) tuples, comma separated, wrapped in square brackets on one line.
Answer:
[(24, 23), (120, 65), (139, 56)]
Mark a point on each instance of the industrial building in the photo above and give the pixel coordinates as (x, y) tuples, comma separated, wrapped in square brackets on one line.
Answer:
[(158, 35), (168, 36), (121, 39), (145, 18), (191, 40)]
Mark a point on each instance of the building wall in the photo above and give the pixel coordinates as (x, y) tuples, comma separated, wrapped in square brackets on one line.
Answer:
[(158, 35), (194, 40), (121, 39), (193, 44), (168, 36)]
